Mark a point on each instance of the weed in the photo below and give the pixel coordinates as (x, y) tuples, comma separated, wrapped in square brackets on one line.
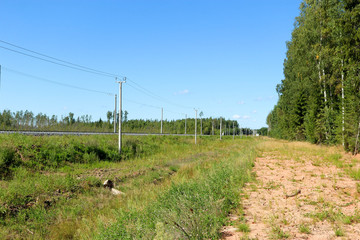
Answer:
[(174, 168), (355, 173), (335, 159), (304, 229), (278, 233), (339, 232), (243, 227), (285, 221)]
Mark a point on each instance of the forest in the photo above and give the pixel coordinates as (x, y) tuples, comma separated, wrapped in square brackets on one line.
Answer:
[(319, 97), (27, 120)]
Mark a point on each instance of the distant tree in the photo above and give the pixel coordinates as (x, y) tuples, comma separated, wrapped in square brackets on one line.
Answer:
[(126, 116), (71, 118), (109, 116), (201, 114)]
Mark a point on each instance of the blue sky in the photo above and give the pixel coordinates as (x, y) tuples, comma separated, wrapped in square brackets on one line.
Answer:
[(223, 57)]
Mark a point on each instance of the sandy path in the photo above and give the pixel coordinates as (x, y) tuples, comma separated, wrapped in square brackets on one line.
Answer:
[(325, 200)]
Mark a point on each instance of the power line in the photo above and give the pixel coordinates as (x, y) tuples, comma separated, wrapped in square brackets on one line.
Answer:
[(154, 96), (55, 82), (152, 106), (142, 104), (57, 63), (78, 67), (59, 60)]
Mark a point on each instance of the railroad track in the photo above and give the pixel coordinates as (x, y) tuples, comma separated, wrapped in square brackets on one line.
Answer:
[(59, 133)]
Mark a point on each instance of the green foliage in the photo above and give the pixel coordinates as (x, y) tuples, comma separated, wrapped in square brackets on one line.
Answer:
[(319, 97), (27, 120), (7, 162)]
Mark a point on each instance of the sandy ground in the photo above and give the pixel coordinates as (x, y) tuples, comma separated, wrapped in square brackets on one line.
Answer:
[(298, 200)]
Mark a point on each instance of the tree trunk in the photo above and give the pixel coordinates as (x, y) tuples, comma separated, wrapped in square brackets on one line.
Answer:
[(356, 148), (342, 102)]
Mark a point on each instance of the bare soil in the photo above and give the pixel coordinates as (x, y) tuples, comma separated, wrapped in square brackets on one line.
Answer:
[(298, 199)]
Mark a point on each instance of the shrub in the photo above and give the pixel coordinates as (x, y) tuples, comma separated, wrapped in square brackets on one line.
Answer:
[(7, 162)]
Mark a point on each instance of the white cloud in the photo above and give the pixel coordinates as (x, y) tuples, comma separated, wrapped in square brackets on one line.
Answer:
[(254, 111), (182, 92), (236, 116), (241, 102)]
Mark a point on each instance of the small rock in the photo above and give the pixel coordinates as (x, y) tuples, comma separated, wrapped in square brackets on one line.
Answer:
[(116, 192), (108, 184)]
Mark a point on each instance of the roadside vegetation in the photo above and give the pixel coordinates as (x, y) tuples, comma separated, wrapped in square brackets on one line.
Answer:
[(29, 121), (51, 187), (319, 96)]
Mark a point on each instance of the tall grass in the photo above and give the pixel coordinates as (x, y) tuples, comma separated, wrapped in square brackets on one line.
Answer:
[(192, 209), (50, 187)]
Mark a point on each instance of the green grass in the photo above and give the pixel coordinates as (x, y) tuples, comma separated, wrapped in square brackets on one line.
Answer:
[(51, 186), (304, 229), (278, 233), (192, 208), (339, 232), (243, 227)]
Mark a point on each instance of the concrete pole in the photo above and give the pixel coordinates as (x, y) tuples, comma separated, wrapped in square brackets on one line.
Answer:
[(185, 122), (115, 114), (120, 111), (162, 113), (212, 128), (220, 126), (195, 123), (233, 131)]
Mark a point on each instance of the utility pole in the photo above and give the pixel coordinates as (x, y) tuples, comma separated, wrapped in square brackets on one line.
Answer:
[(120, 111), (220, 126), (115, 114), (212, 128), (233, 132), (195, 123), (185, 122), (162, 112)]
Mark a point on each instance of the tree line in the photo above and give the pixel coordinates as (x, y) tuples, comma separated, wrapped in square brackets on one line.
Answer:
[(27, 120), (319, 97)]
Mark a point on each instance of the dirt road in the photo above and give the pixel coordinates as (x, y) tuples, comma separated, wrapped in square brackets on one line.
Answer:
[(299, 196)]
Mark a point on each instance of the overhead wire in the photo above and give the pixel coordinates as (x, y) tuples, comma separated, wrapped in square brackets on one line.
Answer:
[(57, 63), (74, 66), (142, 104), (55, 82), (66, 62), (152, 95)]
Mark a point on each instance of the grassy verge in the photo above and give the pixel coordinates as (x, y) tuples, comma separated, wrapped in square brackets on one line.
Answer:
[(194, 207), (51, 186)]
